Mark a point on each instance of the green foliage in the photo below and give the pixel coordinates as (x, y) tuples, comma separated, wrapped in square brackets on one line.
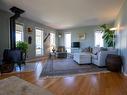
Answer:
[(22, 46), (108, 34)]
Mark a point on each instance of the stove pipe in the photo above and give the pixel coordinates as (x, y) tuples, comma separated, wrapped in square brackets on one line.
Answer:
[(16, 15)]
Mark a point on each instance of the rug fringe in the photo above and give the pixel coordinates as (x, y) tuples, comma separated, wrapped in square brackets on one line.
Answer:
[(73, 75)]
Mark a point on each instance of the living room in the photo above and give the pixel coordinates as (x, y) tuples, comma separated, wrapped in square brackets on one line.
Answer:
[(48, 26)]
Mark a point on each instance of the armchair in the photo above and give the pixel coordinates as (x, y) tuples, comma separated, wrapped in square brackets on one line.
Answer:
[(61, 52)]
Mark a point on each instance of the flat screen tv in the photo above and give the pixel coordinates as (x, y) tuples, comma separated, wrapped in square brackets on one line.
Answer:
[(75, 44)]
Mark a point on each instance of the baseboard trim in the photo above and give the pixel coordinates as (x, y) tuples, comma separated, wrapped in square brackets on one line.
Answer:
[(124, 74), (73, 75)]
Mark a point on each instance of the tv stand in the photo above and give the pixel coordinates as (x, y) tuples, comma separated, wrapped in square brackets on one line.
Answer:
[(75, 50)]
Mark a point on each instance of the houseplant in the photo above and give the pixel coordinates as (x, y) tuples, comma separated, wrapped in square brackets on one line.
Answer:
[(108, 35), (23, 46)]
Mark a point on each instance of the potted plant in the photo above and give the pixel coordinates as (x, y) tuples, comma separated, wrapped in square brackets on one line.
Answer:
[(23, 46), (108, 35)]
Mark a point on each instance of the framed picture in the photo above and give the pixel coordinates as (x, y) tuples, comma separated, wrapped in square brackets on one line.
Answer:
[(81, 35)]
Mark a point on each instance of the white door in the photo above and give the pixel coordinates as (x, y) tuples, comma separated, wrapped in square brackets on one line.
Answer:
[(19, 32), (39, 42), (67, 41), (52, 41)]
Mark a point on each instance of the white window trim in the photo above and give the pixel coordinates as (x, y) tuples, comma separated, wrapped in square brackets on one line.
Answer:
[(42, 52), (64, 39), (22, 24), (55, 41), (95, 38)]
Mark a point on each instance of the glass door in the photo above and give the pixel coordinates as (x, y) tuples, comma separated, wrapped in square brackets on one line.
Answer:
[(19, 32), (67, 41), (98, 39), (39, 42), (52, 41)]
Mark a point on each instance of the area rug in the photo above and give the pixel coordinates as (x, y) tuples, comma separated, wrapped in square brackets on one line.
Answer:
[(64, 67), (16, 86), (28, 67)]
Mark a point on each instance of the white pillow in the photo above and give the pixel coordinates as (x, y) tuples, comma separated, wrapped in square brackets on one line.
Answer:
[(110, 48), (96, 50)]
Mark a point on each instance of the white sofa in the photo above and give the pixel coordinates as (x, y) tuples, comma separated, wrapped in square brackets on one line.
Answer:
[(82, 58), (100, 56)]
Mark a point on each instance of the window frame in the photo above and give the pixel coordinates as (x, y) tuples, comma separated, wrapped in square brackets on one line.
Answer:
[(21, 24), (70, 42), (99, 31), (42, 43), (51, 47)]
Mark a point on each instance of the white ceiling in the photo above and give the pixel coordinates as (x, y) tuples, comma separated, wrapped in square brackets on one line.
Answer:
[(63, 14)]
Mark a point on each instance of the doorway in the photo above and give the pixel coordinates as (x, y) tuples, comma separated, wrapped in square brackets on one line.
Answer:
[(39, 42)]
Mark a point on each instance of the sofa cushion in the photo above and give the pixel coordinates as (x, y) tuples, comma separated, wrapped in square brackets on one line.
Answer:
[(103, 49), (96, 50), (87, 49), (110, 48), (94, 56)]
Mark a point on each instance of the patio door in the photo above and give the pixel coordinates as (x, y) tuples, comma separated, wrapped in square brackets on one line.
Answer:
[(39, 42), (67, 42), (19, 32)]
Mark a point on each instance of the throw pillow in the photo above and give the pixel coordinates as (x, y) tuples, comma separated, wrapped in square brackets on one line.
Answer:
[(103, 49), (96, 50)]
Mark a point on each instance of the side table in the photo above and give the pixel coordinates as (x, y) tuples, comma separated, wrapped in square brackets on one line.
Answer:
[(52, 54), (114, 62)]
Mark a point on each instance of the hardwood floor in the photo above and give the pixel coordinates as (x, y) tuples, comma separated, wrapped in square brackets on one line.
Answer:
[(93, 84)]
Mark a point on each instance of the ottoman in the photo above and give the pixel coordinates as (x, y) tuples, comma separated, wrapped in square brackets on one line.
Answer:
[(82, 58)]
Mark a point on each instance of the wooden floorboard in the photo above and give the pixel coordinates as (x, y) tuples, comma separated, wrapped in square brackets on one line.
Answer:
[(94, 84)]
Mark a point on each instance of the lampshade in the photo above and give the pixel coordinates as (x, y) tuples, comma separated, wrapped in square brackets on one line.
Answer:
[(59, 35)]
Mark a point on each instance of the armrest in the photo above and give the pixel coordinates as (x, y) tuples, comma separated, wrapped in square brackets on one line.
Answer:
[(103, 54)]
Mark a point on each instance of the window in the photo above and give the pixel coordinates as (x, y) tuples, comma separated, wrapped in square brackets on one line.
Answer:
[(98, 39), (39, 42), (68, 42), (19, 32), (52, 41)]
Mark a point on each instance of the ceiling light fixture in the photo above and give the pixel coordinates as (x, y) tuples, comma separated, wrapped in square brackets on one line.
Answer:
[(113, 29)]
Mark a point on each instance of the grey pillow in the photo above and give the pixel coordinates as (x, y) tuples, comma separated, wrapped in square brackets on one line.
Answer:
[(95, 50), (103, 49)]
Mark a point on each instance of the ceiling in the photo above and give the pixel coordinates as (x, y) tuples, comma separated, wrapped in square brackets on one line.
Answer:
[(64, 14)]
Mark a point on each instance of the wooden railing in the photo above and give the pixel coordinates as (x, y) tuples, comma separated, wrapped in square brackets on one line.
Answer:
[(46, 37)]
